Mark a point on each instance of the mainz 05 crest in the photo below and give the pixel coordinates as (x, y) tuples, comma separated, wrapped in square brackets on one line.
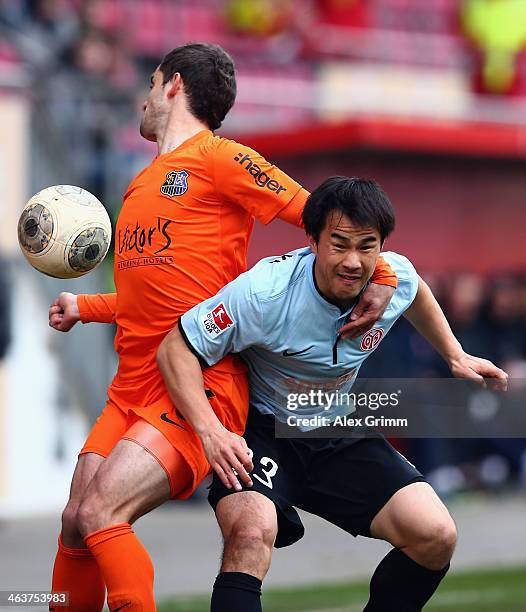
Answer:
[(175, 183)]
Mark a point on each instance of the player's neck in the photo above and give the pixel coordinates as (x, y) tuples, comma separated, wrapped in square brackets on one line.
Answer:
[(177, 132)]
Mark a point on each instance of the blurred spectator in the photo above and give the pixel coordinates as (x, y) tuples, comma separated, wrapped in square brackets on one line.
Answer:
[(324, 25), (498, 30), (489, 319), (102, 57), (503, 322), (257, 17), (347, 13), (43, 32), (85, 101), (102, 15), (463, 305), (8, 53), (432, 16)]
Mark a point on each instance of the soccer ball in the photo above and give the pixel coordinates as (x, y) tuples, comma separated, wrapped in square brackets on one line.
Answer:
[(64, 231)]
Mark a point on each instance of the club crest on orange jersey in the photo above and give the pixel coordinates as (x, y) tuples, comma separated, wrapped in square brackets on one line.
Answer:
[(176, 183)]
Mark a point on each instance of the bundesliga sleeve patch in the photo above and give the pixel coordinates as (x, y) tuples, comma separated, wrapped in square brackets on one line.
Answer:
[(217, 321)]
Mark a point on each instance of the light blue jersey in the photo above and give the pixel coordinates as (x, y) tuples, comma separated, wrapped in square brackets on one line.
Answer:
[(287, 333)]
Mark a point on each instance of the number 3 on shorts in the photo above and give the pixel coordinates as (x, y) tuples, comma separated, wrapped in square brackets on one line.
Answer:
[(273, 468)]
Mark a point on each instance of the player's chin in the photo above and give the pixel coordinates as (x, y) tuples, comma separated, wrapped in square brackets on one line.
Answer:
[(147, 134), (347, 289), (346, 296)]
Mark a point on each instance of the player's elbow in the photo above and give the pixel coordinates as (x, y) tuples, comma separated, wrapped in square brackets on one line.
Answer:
[(162, 356)]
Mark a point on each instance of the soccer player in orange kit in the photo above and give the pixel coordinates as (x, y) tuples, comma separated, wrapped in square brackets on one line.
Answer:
[(181, 235)]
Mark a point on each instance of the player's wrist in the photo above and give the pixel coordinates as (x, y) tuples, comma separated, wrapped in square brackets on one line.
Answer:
[(75, 311), (209, 429), (454, 355), (69, 302)]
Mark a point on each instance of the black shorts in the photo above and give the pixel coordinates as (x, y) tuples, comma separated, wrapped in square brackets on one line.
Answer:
[(345, 481)]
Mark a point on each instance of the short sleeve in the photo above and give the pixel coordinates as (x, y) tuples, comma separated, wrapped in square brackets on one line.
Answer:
[(226, 323), (243, 177)]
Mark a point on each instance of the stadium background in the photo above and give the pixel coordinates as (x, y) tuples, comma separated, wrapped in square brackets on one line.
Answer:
[(429, 98)]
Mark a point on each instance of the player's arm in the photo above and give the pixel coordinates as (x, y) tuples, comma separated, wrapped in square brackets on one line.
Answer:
[(97, 308), (373, 301), (227, 322), (69, 308), (243, 177), (183, 377), (428, 319)]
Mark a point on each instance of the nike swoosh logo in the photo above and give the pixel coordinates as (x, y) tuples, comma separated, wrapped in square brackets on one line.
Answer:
[(286, 352), (165, 417), (121, 607)]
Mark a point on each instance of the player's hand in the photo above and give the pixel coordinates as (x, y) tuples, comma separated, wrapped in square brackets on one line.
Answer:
[(369, 309), (64, 312), (229, 456), (481, 371)]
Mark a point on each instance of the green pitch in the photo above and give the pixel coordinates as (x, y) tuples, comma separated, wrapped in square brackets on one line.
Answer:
[(502, 590)]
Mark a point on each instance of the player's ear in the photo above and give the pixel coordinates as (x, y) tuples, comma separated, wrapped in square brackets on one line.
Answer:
[(174, 85), (313, 245)]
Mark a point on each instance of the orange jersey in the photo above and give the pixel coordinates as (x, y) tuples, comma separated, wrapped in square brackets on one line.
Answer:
[(181, 235)]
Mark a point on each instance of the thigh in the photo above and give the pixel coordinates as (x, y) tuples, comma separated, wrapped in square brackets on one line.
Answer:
[(176, 459), (129, 483), (350, 481), (86, 468), (272, 477), (414, 512)]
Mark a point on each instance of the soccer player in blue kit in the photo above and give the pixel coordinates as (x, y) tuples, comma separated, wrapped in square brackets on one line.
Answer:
[(283, 316)]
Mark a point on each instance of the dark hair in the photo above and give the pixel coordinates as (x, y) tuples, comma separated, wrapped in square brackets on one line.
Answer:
[(209, 79), (362, 200)]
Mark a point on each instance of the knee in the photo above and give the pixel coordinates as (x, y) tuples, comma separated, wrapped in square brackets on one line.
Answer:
[(70, 531), (248, 549), (443, 539), (69, 518), (446, 538), (91, 515), (438, 544), (251, 538)]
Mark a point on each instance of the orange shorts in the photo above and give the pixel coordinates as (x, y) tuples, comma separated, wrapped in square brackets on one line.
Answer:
[(164, 433)]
